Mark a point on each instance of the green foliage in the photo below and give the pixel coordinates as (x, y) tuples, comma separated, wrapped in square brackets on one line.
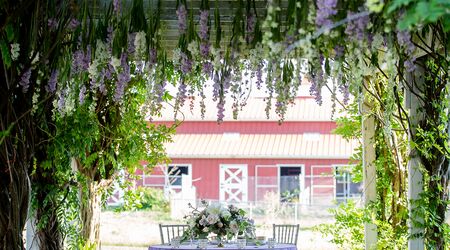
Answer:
[(348, 230), (390, 239), (143, 198), (422, 12)]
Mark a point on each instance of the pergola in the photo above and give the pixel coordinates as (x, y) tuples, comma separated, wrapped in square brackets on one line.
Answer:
[(110, 58)]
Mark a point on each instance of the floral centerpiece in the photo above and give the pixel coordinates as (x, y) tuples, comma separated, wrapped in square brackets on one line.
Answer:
[(223, 221)]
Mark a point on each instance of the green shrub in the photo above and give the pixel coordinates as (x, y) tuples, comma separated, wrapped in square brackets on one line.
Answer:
[(348, 230), (143, 198)]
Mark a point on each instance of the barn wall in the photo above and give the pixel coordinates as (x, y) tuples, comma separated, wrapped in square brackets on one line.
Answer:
[(205, 173)]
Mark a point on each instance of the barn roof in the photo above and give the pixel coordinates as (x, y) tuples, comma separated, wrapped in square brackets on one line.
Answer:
[(281, 146), (304, 108)]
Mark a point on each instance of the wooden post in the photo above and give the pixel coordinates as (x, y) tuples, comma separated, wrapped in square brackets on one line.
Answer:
[(415, 177), (369, 170)]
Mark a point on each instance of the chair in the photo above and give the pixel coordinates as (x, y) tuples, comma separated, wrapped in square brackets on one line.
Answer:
[(287, 234), (168, 232)]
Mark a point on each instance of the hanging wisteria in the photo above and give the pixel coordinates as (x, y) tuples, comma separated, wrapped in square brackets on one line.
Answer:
[(273, 48)]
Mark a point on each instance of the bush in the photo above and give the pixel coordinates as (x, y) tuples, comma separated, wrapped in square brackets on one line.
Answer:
[(143, 198), (348, 230)]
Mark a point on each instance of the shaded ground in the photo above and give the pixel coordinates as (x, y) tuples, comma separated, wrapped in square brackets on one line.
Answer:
[(138, 230)]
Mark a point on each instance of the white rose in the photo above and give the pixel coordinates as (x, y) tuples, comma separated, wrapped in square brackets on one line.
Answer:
[(212, 218)]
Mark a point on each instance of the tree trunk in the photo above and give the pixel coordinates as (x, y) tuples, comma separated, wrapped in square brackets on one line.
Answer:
[(14, 195), (49, 235), (90, 212), (91, 200)]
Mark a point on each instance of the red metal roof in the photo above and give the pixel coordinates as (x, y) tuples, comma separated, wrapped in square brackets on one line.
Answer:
[(280, 146)]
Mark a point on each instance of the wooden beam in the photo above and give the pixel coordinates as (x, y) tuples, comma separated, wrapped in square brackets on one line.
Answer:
[(369, 170), (415, 177)]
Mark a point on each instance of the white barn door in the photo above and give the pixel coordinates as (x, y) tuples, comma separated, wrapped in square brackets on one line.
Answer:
[(233, 183)]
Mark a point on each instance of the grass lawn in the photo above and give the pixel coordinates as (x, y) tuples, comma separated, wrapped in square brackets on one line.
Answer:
[(137, 230)]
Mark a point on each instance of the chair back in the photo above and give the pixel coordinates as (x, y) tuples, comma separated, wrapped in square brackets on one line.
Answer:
[(287, 234), (168, 232)]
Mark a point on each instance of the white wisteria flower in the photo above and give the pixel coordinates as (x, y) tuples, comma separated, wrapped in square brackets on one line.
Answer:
[(140, 44)]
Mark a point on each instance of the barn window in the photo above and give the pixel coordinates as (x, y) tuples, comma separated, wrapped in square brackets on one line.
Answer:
[(291, 182), (175, 172), (345, 188)]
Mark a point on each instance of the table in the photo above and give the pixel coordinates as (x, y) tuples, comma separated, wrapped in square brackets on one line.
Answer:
[(226, 247)]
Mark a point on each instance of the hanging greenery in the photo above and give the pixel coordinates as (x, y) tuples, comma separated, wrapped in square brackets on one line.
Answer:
[(112, 67)]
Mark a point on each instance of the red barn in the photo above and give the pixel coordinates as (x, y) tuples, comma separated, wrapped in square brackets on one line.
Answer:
[(242, 160)]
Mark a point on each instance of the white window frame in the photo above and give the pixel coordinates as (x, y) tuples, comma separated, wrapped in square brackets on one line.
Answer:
[(165, 169), (257, 186), (313, 176), (335, 167), (302, 176), (189, 166)]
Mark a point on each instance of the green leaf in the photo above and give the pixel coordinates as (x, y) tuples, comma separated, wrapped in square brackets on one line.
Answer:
[(446, 23), (6, 56), (9, 32), (397, 4)]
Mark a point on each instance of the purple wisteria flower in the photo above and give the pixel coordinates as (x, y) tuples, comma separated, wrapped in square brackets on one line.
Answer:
[(131, 48), (404, 40), (259, 74), (182, 19), (315, 91), (82, 94), (220, 110), (109, 38), (62, 100), (122, 79), (216, 86), (357, 28), (317, 80), (204, 49), (181, 95), (87, 57), (186, 64), (339, 51), (203, 32), (152, 57), (52, 23), (116, 6), (251, 23), (208, 68), (81, 60), (344, 89), (25, 80), (73, 24), (325, 10), (159, 90), (52, 81), (109, 71), (102, 88)]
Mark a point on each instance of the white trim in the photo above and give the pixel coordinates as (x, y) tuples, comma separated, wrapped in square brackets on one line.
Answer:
[(312, 176), (244, 181), (267, 186), (164, 169), (189, 166), (335, 166)]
